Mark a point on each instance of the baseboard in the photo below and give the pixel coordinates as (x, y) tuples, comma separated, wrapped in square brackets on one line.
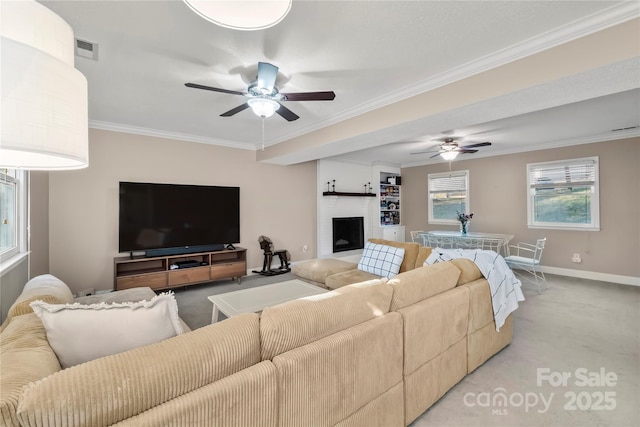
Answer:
[(593, 275)]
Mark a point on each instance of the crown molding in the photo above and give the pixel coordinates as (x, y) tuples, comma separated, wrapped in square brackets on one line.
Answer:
[(614, 15), (136, 130)]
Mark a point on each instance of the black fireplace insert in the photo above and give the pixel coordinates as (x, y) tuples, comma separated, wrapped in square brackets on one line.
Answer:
[(348, 233)]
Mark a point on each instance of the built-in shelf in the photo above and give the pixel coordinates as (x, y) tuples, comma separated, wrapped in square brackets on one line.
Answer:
[(339, 193)]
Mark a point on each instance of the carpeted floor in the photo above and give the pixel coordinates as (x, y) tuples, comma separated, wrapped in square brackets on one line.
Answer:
[(587, 332)]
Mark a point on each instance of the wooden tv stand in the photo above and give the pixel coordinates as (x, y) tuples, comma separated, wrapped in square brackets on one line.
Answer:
[(157, 272)]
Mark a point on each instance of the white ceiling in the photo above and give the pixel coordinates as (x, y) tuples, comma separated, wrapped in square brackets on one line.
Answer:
[(371, 53)]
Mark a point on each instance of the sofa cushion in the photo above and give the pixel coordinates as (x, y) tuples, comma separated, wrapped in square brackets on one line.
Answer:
[(113, 388), (126, 295), (480, 305), (79, 333), (349, 277), (410, 252), (421, 283), (423, 254), (433, 325), (246, 398), (328, 380), (299, 322), (469, 271), (25, 356), (46, 288), (381, 260), (317, 270)]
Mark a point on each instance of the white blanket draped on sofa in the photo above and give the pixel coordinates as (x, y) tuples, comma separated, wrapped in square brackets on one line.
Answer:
[(505, 287)]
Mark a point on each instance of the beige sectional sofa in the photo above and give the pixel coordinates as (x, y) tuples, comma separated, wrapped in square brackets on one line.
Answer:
[(332, 273), (375, 353)]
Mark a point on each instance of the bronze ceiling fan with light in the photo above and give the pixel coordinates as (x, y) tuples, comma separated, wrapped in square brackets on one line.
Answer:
[(450, 149), (265, 99)]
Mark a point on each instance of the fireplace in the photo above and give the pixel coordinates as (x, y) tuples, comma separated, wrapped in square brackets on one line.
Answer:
[(348, 233)]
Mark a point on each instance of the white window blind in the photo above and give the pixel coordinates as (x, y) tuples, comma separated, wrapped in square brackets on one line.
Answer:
[(12, 213), (564, 194), (563, 175), (448, 194)]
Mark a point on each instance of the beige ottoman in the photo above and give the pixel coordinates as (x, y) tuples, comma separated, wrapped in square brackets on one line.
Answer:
[(316, 271)]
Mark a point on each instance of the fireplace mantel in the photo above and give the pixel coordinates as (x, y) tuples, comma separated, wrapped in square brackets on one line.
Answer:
[(340, 193)]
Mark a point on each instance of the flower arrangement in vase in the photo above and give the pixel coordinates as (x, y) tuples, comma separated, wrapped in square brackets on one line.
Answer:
[(464, 219)]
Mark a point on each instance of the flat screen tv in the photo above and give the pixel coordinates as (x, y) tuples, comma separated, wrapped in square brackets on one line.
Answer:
[(165, 219)]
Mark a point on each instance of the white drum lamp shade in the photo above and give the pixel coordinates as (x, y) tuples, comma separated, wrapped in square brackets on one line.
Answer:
[(244, 15), (44, 111)]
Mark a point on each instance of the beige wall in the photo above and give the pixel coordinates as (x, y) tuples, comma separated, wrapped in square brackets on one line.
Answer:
[(277, 201), (499, 200), (39, 223)]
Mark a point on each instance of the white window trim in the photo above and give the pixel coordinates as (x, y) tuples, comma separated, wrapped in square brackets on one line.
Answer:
[(11, 258), (452, 221), (595, 199)]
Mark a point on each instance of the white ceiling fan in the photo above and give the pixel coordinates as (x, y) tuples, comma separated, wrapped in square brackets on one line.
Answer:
[(450, 149)]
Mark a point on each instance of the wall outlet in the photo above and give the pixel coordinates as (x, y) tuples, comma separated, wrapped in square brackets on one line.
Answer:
[(576, 258), (305, 248)]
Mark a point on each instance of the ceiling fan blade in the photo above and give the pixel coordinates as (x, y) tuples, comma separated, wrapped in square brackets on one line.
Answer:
[(436, 155), (267, 74), (479, 144), (463, 150), (235, 110), (214, 89), (310, 96), (425, 152), (287, 114)]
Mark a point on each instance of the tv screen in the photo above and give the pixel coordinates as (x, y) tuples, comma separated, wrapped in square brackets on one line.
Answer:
[(177, 217)]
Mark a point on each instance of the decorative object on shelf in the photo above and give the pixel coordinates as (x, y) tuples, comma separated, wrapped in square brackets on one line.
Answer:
[(44, 106), (370, 187), (328, 183), (464, 221), (333, 186), (236, 15)]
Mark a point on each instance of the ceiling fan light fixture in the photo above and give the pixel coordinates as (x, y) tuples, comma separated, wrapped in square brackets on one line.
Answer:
[(263, 107), (245, 15), (449, 155)]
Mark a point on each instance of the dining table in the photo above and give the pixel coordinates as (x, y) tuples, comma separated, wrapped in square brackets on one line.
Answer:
[(470, 240)]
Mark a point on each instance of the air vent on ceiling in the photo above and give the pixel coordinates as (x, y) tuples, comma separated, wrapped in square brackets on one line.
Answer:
[(627, 128), (87, 49)]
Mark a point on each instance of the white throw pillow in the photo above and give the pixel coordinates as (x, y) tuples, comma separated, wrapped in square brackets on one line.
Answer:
[(381, 260), (80, 333)]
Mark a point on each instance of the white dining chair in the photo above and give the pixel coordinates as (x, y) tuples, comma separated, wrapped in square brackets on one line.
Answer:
[(415, 236), (525, 257)]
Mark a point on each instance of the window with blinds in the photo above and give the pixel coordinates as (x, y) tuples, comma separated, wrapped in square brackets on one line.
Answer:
[(12, 212), (448, 194), (564, 194)]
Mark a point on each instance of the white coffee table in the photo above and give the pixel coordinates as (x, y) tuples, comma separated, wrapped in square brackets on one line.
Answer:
[(255, 299)]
